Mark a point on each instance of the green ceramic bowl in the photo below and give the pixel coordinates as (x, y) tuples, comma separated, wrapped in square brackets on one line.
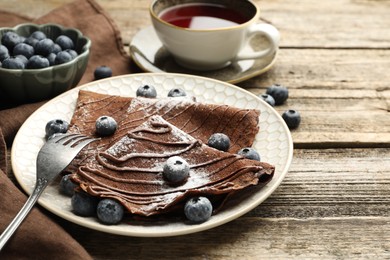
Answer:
[(31, 85)]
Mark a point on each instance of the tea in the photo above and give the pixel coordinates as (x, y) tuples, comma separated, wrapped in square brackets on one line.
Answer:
[(202, 16)]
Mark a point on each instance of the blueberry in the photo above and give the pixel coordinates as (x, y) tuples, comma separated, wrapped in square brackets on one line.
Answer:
[(102, 72), (72, 53), (176, 170), (84, 204), (292, 118), (278, 92), (51, 58), (198, 209), (219, 141), (10, 40), (44, 47), (147, 91), (56, 126), (67, 187), (38, 35), (23, 59), (13, 63), (31, 41), (23, 49), (249, 153), (268, 98), (177, 92), (105, 126), (65, 42), (22, 38), (56, 48), (63, 57), (4, 54), (110, 211), (37, 62)]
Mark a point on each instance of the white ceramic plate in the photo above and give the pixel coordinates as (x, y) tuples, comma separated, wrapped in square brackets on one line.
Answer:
[(273, 142)]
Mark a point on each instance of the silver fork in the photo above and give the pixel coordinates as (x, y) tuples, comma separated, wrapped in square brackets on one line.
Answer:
[(54, 156)]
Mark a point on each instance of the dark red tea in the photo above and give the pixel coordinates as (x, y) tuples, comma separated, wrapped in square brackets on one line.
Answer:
[(202, 16)]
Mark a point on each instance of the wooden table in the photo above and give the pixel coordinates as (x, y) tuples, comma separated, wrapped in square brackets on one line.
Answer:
[(334, 203)]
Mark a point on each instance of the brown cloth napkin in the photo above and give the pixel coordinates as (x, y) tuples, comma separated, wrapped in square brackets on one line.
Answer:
[(39, 237)]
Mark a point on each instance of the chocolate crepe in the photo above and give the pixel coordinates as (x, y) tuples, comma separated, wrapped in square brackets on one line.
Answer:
[(197, 119), (130, 170)]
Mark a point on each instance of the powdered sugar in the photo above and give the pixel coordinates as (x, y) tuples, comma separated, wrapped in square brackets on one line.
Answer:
[(149, 106)]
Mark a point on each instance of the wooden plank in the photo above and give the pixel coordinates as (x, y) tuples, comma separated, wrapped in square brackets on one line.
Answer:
[(332, 203), (344, 99), (31, 8), (314, 70), (303, 23), (330, 24), (256, 238), (332, 183)]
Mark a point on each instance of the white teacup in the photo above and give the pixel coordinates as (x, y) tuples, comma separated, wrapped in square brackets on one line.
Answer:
[(199, 47)]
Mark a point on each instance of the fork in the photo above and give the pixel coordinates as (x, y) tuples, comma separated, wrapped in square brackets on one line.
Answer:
[(54, 156)]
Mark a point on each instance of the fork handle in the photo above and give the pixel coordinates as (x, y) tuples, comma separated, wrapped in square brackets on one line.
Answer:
[(8, 232)]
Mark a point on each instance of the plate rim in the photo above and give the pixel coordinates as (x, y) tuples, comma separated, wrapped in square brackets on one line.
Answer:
[(187, 229), (231, 81)]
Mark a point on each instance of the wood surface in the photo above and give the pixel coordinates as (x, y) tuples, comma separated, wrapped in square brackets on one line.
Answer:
[(334, 202)]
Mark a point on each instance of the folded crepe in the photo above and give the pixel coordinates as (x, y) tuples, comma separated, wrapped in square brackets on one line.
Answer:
[(127, 165), (130, 170), (195, 118)]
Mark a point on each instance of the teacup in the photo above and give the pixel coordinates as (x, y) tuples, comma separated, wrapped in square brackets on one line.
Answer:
[(210, 34)]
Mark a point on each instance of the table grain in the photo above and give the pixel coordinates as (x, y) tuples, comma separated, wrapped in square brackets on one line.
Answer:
[(334, 202)]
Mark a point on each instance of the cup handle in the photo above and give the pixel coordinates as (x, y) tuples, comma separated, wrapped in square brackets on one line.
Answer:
[(270, 32)]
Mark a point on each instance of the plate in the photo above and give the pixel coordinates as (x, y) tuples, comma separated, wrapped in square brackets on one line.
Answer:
[(149, 54), (273, 141)]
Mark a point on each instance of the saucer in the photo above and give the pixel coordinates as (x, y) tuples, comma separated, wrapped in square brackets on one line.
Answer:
[(150, 55)]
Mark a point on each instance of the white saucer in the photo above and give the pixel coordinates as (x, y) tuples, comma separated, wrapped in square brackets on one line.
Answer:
[(150, 55)]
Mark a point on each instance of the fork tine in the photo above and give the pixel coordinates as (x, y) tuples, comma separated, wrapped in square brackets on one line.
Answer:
[(70, 139), (84, 142), (75, 140), (56, 137), (62, 138)]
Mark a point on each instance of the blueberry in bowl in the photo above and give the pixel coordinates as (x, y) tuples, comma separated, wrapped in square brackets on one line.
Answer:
[(29, 71)]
